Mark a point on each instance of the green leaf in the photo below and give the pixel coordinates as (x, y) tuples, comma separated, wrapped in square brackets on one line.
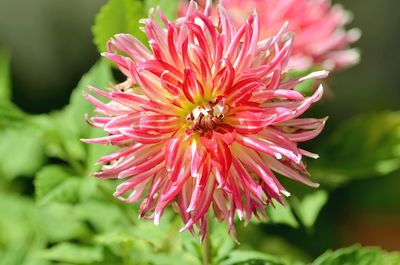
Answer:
[(5, 82), (221, 241), (26, 229), (67, 252), (148, 243), (61, 134), (61, 222), (99, 76), (309, 207), (355, 255), (56, 184), (155, 235), (306, 87), (11, 115), (105, 217), (244, 257), (364, 146), (144, 231), (20, 238), (118, 16), (282, 215), (168, 7), (21, 152)]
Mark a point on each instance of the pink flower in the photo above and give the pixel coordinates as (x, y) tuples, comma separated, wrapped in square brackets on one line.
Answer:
[(321, 38), (204, 119)]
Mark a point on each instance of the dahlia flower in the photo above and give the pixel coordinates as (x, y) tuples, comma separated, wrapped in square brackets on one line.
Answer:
[(321, 38), (204, 119)]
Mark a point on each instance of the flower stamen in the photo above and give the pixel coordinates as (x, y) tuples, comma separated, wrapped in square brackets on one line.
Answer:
[(208, 116)]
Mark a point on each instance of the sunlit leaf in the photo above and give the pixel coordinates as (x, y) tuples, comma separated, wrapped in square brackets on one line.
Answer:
[(221, 241), (11, 115), (21, 152), (60, 222), (157, 236), (105, 216), (56, 184), (355, 255), (118, 16), (280, 214), (307, 87), (308, 207), (168, 7), (61, 136)]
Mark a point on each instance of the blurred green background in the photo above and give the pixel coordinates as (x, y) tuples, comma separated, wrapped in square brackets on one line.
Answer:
[(51, 48)]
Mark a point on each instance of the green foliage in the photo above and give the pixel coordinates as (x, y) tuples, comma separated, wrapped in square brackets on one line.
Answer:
[(21, 151), (365, 146), (118, 16), (61, 135), (242, 257), (99, 76), (73, 253), (301, 208), (168, 7), (54, 216), (19, 138), (20, 239), (280, 214), (56, 184), (357, 255), (308, 86), (354, 255), (11, 115), (123, 16), (308, 207), (222, 245)]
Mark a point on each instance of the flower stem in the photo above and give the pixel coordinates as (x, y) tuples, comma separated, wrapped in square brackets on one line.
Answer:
[(206, 245)]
